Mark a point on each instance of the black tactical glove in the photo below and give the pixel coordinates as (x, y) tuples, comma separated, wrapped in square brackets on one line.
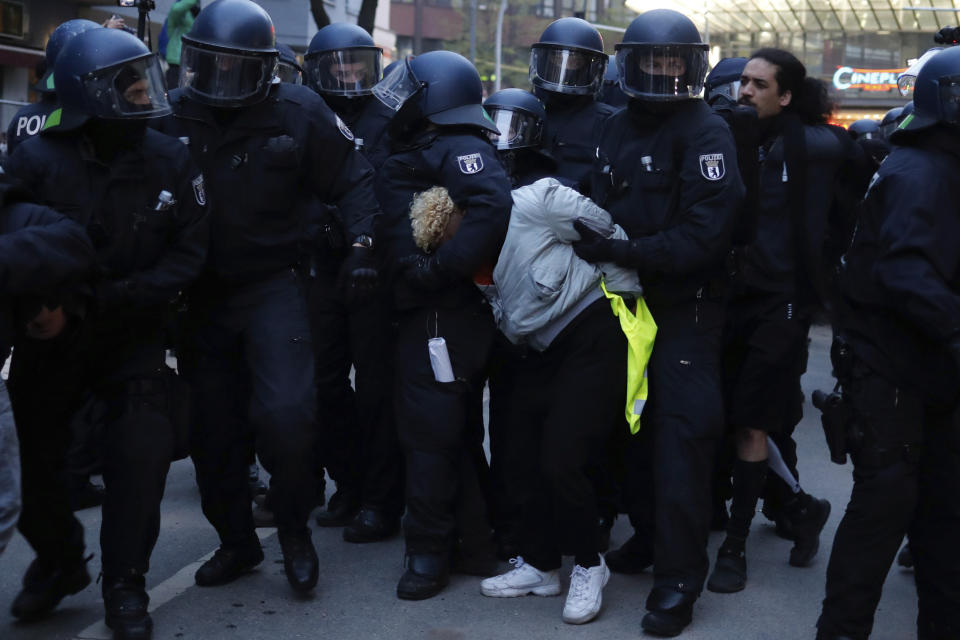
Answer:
[(358, 275), (424, 272), (593, 246)]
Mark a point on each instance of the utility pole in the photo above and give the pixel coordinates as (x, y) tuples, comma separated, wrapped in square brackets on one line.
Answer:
[(473, 31), (498, 48), (417, 27)]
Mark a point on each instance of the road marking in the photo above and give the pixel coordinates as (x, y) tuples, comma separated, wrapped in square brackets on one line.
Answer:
[(162, 593)]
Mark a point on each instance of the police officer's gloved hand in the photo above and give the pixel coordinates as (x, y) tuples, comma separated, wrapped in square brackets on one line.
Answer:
[(358, 274), (593, 246), (424, 272)]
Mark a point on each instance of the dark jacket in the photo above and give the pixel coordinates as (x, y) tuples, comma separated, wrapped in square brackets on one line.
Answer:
[(570, 136), (368, 124), (678, 209), (40, 250), (464, 162), (146, 252), (901, 276), (259, 162), (29, 121)]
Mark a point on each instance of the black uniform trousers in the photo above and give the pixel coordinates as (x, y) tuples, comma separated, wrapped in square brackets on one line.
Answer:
[(670, 463), (249, 361), (121, 370), (438, 422), (900, 487), (358, 436), (566, 402)]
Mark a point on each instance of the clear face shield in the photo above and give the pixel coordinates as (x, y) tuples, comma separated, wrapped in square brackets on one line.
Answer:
[(907, 79), (399, 86), (227, 79), (345, 72), (518, 129), (133, 89), (729, 90), (662, 71), (286, 72), (950, 99), (561, 70)]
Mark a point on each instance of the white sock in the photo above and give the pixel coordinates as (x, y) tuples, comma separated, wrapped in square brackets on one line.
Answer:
[(779, 467)]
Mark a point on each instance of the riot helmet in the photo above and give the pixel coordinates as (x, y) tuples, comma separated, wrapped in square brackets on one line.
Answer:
[(568, 58), (288, 68), (230, 55), (907, 79), (890, 122), (724, 79), (662, 57), (108, 74), (865, 129), (342, 60), (519, 117), (58, 40), (441, 87), (936, 95)]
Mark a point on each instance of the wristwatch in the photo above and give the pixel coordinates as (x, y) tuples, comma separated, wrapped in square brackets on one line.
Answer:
[(364, 241)]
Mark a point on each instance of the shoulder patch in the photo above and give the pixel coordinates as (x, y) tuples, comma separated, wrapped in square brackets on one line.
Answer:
[(712, 167), (198, 191), (344, 129), (470, 163)]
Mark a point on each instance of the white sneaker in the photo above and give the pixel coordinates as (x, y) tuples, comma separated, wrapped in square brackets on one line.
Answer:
[(586, 593), (523, 579)]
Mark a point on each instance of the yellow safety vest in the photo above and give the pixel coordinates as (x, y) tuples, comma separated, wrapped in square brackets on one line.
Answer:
[(640, 329)]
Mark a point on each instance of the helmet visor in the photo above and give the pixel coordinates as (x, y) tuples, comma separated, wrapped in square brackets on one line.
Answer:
[(729, 90), (566, 70), (133, 89), (397, 87), (950, 99), (221, 77), (662, 71), (345, 72), (518, 129), (907, 79), (289, 73)]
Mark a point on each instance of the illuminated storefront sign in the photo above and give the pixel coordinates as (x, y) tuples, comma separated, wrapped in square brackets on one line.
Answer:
[(866, 79)]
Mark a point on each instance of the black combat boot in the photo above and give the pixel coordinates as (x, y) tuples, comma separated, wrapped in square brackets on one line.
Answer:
[(427, 574), (633, 557), (46, 583), (125, 601), (807, 516), (371, 525), (342, 508), (300, 560), (229, 563), (669, 611)]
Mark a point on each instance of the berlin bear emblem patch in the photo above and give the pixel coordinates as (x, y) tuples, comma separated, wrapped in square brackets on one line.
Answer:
[(471, 163), (712, 167)]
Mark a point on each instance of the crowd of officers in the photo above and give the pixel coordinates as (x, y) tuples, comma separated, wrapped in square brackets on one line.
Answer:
[(280, 225)]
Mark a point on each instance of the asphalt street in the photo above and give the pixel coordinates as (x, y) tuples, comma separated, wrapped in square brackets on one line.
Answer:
[(356, 597)]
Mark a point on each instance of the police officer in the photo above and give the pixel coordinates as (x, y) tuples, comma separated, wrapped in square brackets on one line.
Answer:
[(890, 121), (775, 291), (358, 434), (445, 325), (667, 172), (566, 69), (900, 372), (288, 67), (29, 120), (141, 199), (520, 117), (610, 91), (263, 146)]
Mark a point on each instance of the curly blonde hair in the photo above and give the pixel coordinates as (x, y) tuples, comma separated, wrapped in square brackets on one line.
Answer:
[(431, 213)]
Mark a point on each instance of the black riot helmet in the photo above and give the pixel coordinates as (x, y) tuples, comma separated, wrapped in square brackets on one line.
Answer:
[(890, 122), (288, 68), (568, 58), (936, 94), (107, 74), (440, 87), (342, 60), (230, 55), (865, 128), (58, 40), (724, 79), (662, 57), (519, 116)]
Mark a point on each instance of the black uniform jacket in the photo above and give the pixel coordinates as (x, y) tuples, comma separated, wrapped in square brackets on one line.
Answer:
[(901, 276), (671, 181), (260, 162), (464, 162)]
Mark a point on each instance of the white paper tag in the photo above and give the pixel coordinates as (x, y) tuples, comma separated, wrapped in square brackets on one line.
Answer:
[(440, 360)]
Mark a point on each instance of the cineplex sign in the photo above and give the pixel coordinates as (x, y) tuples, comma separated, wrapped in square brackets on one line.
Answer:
[(866, 79)]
